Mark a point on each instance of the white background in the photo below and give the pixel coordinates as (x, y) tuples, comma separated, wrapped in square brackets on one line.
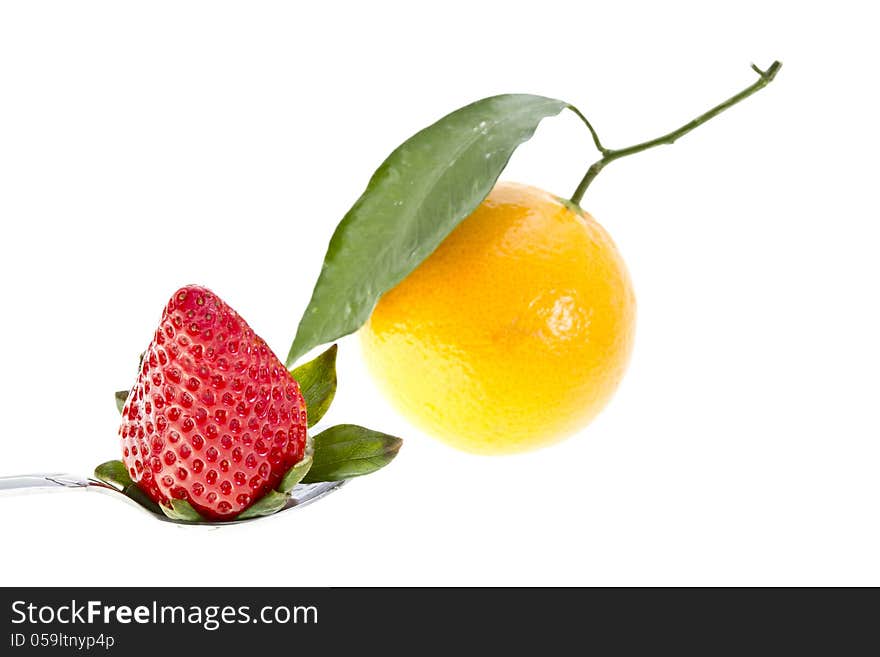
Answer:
[(148, 145)]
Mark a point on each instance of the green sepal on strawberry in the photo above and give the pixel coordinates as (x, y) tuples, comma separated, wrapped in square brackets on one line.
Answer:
[(215, 427)]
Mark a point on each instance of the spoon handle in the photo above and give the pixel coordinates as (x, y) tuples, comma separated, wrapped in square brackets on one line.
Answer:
[(42, 482)]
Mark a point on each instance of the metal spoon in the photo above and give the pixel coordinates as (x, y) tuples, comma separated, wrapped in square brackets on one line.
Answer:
[(302, 494)]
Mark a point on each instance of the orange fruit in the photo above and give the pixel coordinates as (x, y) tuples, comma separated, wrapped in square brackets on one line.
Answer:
[(514, 333)]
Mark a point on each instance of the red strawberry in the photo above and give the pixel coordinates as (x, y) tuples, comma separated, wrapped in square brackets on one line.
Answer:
[(214, 417)]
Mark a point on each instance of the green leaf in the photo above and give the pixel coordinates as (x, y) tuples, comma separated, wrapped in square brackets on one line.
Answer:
[(347, 450), (317, 381), (295, 475), (134, 493), (115, 474), (121, 398), (419, 194), (181, 510), (270, 503)]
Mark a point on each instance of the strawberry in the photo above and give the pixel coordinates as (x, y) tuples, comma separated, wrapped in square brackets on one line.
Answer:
[(214, 417)]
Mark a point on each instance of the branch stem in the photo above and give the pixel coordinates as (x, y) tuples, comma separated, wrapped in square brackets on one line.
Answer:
[(609, 155)]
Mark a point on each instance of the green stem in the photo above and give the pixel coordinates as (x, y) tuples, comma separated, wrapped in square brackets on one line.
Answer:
[(609, 155)]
